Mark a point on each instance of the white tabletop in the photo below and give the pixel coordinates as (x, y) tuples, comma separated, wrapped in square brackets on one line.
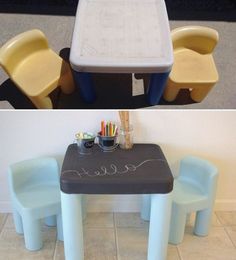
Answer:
[(121, 36)]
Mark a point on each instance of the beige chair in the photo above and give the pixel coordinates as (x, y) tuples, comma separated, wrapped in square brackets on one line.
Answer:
[(35, 68), (194, 67)]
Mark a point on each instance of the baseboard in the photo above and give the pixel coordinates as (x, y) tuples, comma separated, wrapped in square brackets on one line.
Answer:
[(114, 203), (108, 203), (123, 203), (134, 204), (5, 207)]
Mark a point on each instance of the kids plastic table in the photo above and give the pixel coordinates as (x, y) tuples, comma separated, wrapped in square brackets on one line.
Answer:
[(117, 36), (140, 170)]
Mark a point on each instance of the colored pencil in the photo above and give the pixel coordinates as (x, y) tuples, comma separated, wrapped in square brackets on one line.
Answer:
[(102, 122)]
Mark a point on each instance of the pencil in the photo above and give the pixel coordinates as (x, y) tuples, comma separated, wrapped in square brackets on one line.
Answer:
[(110, 129), (102, 128), (107, 130)]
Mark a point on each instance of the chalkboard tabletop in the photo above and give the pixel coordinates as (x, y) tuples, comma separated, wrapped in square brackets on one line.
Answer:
[(140, 170)]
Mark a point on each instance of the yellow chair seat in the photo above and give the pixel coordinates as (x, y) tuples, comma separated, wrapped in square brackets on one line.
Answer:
[(37, 78), (192, 67), (35, 68)]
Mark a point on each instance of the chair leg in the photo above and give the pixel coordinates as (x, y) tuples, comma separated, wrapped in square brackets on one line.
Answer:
[(50, 221), (171, 92), (199, 93), (59, 228), (32, 233), (177, 225), (17, 221), (202, 222), (159, 226), (67, 83), (42, 103), (146, 206)]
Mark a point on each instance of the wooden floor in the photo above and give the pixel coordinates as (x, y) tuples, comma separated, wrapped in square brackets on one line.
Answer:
[(123, 236)]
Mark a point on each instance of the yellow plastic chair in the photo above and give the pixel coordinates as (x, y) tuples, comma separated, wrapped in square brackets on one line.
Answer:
[(35, 68), (194, 67)]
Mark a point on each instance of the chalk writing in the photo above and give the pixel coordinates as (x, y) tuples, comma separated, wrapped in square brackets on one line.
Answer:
[(111, 170)]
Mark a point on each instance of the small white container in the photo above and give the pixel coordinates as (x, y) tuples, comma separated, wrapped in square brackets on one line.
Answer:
[(85, 145), (126, 137)]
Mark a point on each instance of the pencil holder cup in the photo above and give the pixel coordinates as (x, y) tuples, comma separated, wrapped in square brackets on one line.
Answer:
[(85, 144), (107, 143), (126, 137)]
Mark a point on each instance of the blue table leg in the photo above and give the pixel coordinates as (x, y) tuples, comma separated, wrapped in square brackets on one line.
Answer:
[(159, 226), (85, 83), (146, 207), (156, 87), (71, 206)]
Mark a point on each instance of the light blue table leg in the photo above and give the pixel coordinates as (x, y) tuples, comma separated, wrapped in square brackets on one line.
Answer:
[(59, 228), (177, 224), (156, 87), (85, 83), (72, 226), (146, 207), (84, 206), (159, 226)]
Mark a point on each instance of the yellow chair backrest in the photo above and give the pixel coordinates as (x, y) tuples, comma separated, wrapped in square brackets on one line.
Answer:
[(197, 38), (20, 47)]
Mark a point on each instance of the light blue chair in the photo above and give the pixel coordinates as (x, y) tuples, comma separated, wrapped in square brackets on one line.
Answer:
[(194, 191), (35, 194)]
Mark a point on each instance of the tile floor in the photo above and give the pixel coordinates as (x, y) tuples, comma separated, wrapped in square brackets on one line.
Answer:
[(123, 236)]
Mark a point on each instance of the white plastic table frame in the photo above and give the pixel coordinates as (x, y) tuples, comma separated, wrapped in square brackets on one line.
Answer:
[(121, 36), (158, 229)]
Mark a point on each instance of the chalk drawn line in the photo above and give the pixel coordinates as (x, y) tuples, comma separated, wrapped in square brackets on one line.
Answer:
[(111, 170)]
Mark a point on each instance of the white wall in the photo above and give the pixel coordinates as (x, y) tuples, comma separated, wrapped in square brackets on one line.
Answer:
[(209, 134)]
